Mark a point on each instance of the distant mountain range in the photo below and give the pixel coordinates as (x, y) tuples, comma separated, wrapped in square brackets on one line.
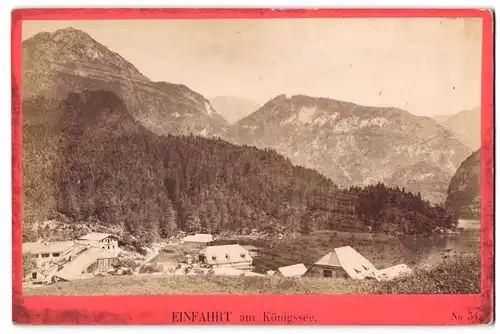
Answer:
[(348, 143), (233, 108), (357, 145), (466, 125)]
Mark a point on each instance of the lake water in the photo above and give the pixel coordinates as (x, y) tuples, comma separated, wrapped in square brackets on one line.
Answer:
[(469, 224), (423, 250)]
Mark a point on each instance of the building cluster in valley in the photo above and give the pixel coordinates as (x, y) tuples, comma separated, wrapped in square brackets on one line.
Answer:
[(342, 262), (98, 253), (90, 254)]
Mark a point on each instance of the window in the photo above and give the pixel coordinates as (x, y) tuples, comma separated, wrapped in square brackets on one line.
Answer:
[(56, 254), (364, 267), (357, 271), (45, 255), (227, 256), (214, 257), (327, 273), (242, 255), (33, 275)]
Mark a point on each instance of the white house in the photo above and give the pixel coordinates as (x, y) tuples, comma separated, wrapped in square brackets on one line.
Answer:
[(101, 240), (198, 239), (295, 270), (226, 255), (45, 252)]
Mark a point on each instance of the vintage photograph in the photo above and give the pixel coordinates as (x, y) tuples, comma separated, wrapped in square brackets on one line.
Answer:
[(251, 156)]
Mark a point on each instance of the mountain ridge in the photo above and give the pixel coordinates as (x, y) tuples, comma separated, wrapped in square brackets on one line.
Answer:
[(466, 125), (69, 60), (357, 141), (88, 159)]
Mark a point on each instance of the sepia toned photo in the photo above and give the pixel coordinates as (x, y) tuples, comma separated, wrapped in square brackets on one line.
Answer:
[(251, 156)]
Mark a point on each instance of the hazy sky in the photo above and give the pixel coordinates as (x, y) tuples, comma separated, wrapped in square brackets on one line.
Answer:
[(426, 66)]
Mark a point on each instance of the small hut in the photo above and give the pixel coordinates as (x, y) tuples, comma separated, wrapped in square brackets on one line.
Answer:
[(342, 262)]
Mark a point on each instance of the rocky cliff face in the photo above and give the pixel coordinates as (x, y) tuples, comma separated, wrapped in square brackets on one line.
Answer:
[(69, 60), (357, 145), (464, 192)]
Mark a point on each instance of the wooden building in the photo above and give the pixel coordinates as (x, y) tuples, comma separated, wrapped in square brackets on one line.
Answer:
[(226, 255), (342, 262)]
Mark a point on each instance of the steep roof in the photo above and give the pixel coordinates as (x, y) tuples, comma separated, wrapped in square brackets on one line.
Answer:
[(96, 236), (47, 247), (355, 264), (199, 238), (393, 272), (294, 270), (225, 254), (83, 261), (330, 260)]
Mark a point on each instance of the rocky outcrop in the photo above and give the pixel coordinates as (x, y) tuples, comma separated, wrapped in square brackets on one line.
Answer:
[(464, 192)]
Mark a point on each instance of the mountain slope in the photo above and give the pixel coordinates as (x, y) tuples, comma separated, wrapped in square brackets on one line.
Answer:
[(233, 108), (464, 192), (87, 158), (356, 145), (466, 125), (69, 60)]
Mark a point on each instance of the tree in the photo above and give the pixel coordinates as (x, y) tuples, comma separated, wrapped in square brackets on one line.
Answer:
[(168, 222), (28, 264), (192, 221)]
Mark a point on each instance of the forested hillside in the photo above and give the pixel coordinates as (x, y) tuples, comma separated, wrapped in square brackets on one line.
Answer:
[(385, 208), (87, 158)]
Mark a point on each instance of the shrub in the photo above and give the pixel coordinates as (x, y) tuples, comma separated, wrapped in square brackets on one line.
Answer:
[(130, 263), (459, 274), (151, 268), (28, 264)]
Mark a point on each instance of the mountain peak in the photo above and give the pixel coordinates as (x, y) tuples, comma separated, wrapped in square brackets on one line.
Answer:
[(72, 46), (71, 34)]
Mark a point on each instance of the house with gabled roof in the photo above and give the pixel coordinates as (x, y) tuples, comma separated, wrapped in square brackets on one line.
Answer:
[(45, 252), (226, 255), (101, 240), (94, 260), (295, 270), (65, 259), (342, 262), (198, 239)]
